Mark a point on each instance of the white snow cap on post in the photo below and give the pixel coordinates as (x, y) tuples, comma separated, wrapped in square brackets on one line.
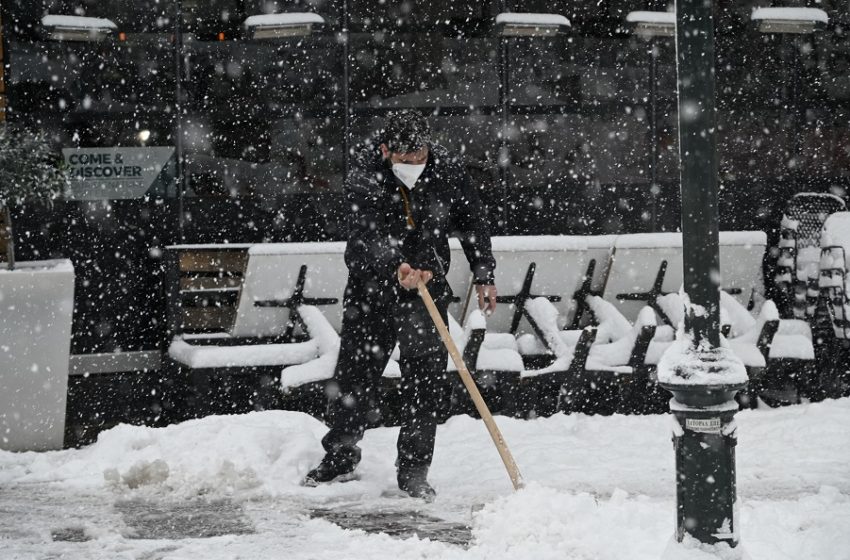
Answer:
[(685, 363), (272, 26), (789, 20), (651, 17), (512, 24), (653, 24)]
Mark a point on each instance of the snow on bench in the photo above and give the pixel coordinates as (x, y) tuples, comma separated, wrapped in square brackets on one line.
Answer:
[(279, 277), (792, 338), (648, 265), (600, 249), (549, 266)]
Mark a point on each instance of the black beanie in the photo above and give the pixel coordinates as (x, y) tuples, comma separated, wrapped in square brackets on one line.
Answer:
[(406, 131)]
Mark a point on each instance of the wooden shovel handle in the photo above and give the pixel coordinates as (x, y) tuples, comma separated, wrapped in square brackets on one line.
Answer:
[(469, 383)]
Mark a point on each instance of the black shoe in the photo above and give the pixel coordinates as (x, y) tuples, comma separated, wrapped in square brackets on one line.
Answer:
[(330, 471), (415, 483)]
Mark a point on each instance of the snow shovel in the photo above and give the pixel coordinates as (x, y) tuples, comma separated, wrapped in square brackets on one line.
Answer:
[(480, 405)]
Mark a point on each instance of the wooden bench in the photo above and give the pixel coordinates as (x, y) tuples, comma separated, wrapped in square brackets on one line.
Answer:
[(235, 319), (520, 377), (203, 283), (250, 297)]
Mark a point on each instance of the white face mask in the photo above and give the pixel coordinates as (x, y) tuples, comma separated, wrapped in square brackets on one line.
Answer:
[(408, 173)]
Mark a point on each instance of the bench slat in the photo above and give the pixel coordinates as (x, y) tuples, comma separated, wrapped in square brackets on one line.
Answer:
[(193, 283), (208, 318), (213, 261)]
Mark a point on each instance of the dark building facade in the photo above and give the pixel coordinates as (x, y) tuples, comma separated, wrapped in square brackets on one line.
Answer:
[(182, 124)]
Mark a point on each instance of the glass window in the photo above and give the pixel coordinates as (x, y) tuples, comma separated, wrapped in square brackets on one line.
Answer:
[(423, 70), (115, 92), (542, 71), (454, 18), (265, 117)]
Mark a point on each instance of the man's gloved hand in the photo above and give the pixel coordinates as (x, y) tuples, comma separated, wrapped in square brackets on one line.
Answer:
[(486, 298), (409, 277)]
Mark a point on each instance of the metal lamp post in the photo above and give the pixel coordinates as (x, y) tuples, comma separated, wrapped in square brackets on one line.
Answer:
[(652, 25), (703, 387), (795, 22), (513, 25)]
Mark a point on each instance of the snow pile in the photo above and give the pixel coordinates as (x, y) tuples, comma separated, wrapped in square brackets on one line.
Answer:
[(682, 364), (598, 487), (217, 454), (737, 316), (618, 352), (327, 342), (541, 523), (546, 316), (612, 325)]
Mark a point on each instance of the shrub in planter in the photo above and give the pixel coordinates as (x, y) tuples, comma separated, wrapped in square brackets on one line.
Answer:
[(29, 172)]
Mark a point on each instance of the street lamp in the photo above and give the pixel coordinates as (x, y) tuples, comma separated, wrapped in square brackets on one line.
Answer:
[(77, 28), (702, 376), (652, 24), (790, 20), (512, 25), (649, 26), (796, 22)]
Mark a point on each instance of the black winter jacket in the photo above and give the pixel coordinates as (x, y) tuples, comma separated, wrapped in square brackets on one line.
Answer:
[(444, 202)]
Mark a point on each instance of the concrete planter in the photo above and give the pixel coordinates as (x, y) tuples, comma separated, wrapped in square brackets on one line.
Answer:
[(36, 306)]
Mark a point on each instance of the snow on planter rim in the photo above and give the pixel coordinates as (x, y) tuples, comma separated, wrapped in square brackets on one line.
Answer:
[(28, 267)]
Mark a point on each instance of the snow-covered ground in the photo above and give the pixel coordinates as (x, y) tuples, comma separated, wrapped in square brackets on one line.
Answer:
[(597, 488)]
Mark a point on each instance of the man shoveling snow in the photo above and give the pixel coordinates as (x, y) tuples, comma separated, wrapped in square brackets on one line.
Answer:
[(405, 195)]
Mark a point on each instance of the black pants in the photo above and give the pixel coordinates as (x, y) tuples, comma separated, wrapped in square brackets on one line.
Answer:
[(370, 329)]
